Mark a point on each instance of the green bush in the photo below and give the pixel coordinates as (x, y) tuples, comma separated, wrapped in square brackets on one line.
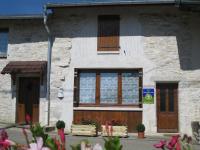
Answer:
[(60, 124), (140, 127), (112, 143), (38, 131)]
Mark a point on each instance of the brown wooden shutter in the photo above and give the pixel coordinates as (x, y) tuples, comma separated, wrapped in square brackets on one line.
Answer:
[(76, 88), (108, 33)]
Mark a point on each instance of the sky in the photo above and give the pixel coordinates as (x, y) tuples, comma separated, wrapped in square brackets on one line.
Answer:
[(19, 7)]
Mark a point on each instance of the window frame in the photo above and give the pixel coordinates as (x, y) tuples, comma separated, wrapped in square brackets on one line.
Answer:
[(97, 99), (4, 55), (101, 20)]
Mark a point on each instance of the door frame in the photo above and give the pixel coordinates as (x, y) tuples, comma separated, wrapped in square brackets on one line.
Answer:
[(18, 76), (167, 82)]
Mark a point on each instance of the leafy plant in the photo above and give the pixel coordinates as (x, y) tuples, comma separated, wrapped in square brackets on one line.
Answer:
[(38, 131), (112, 143), (140, 127), (90, 122), (117, 123), (60, 124)]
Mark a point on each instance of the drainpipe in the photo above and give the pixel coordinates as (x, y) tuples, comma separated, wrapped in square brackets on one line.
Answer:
[(48, 60)]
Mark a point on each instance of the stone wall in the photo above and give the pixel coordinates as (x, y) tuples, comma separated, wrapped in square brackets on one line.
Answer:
[(164, 43)]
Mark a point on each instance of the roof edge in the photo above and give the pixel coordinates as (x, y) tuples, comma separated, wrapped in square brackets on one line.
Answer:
[(16, 17), (86, 4)]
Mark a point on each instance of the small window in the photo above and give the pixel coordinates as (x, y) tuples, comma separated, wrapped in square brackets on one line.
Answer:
[(87, 87), (108, 33), (109, 88), (3, 43)]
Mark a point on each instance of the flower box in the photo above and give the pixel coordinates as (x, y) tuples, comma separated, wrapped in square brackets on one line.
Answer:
[(120, 131), (85, 130)]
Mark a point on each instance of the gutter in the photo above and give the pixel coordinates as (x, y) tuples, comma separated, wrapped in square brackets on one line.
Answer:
[(111, 3), (16, 17), (49, 53)]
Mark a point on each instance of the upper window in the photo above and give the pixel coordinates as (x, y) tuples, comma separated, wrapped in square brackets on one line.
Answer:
[(108, 87), (3, 42), (108, 33)]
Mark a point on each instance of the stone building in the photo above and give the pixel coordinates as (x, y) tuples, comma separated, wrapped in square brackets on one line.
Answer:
[(129, 62)]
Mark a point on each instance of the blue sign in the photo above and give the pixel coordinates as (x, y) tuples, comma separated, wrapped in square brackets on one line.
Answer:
[(148, 95)]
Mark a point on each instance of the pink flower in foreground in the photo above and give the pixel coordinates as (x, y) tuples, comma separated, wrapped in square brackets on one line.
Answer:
[(38, 145), (4, 142), (178, 146), (62, 135), (161, 144), (3, 135), (173, 142)]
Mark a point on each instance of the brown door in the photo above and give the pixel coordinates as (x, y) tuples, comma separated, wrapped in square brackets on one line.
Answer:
[(28, 99), (167, 107)]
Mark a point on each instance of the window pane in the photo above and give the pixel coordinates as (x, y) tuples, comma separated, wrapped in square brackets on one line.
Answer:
[(162, 100), (130, 88), (87, 87), (3, 42), (109, 88), (171, 99)]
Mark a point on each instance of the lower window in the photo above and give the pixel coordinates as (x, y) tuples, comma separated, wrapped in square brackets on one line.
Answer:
[(107, 87)]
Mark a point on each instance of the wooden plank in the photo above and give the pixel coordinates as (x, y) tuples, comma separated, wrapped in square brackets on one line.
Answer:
[(129, 118)]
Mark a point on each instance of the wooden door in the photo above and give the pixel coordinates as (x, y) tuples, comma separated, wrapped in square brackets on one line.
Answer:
[(28, 99), (167, 107)]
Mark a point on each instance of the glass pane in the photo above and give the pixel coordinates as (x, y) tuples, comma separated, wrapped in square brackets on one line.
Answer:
[(3, 42), (130, 88), (162, 100), (87, 87), (109, 88), (171, 99)]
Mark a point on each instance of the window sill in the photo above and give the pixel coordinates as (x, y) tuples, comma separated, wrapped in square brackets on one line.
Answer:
[(108, 52), (109, 108)]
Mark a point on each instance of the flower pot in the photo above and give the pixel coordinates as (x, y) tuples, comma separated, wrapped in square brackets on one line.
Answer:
[(140, 135), (120, 131), (84, 130)]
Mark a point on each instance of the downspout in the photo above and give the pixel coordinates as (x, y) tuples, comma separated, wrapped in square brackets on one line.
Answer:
[(49, 53)]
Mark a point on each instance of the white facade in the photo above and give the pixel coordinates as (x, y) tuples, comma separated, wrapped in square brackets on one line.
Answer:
[(164, 43)]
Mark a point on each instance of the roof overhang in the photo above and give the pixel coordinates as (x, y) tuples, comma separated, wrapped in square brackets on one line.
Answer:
[(19, 17), (24, 67), (111, 3)]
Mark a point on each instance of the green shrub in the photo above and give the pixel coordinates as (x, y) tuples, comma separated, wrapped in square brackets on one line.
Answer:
[(60, 124), (38, 131), (112, 143), (140, 127)]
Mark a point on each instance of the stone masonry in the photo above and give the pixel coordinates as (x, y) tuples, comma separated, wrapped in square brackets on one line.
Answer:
[(164, 43)]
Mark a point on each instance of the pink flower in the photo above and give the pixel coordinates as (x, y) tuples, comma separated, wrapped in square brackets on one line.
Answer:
[(28, 118), (3, 135), (38, 145), (4, 142), (62, 135), (160, 145), (173, 142), (178, 146)]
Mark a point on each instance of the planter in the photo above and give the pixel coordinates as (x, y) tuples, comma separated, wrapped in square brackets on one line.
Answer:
[(85, 130), (140, 135), (120, 131)]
